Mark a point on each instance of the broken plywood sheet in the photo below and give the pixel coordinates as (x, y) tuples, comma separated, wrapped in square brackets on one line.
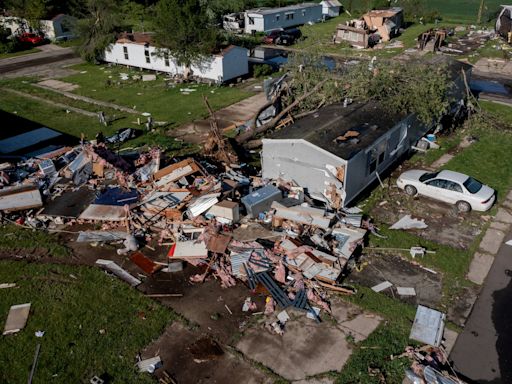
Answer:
[(144, 263), (407, 222), (70, 204), (112, 267), (218, 243), (176, 171), (17, 318), (99, 212), (20, 198), (188, 249), (304, 215)]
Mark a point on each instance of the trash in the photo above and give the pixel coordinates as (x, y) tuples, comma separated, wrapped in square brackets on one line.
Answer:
[(313, 313), (112, 267), (283, 317), (509, 242), (96, 380), (17, 318), (130, 245), (39, 333), (382, 286), (407, 222), (148, 77), (7, 285), (144, 263), (150, 365), (260, 200)]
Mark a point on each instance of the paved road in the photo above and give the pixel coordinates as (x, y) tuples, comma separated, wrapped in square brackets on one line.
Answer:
[(34, 62), (483, 352)]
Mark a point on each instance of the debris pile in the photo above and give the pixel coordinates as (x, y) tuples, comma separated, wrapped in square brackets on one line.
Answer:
[(192, 210)]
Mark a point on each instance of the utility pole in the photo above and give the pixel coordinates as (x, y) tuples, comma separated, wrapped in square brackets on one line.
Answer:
[(480, 11)]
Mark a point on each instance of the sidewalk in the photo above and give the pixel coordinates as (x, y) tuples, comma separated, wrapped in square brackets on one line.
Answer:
[(482, 352)]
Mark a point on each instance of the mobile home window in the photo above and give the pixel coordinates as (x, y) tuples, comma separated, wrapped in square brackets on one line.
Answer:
[(289, 16), (148, 58), (277, 17), (303, 13), (251, 20), (372, 162), (166, 59), (125, 51)]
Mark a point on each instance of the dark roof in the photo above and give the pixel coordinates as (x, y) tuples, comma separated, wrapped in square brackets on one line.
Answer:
[(323, 127)]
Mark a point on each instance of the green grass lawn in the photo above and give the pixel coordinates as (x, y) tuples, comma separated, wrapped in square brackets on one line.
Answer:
[(19, 53), (390, 338), (17, 238), (94, 324), (164, 103), (464, 11)]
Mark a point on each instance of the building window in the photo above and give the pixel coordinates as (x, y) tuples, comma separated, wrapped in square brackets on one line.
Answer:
[(372, 161), (148, 58), (303, 13), (125, 51), (166, 59), (289, 16), (277, 17), (251, 20)]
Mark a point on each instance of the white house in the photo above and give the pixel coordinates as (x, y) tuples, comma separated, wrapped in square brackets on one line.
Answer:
[(58, 28), (136, 50), (330, 8), (267, 19)]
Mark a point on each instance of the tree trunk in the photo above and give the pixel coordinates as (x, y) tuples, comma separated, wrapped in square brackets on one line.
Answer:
[(262, 129)]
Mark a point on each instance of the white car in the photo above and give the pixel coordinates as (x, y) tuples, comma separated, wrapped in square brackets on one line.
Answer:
[(448, 186)]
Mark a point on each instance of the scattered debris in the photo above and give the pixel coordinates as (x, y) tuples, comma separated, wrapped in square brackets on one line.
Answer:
[(149, 365), (112, 267), (17, 318), (406, 291), (382, 286), (407, 222), (428, 326)]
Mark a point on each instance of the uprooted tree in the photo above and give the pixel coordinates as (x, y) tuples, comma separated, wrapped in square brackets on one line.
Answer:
[(411, 87)]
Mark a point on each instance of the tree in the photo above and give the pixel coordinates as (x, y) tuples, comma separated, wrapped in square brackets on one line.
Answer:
[(184, 29), (402, 88), (98, 28), (31, 10)]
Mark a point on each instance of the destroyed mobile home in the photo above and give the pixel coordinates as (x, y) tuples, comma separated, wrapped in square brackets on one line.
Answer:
[(373, 27), (196, 214)]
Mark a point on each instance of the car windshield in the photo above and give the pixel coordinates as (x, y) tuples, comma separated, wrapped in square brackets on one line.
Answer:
[(472, 185), (428, 176)]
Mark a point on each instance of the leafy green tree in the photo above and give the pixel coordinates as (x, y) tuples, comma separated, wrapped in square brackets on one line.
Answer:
[(31, 10), (98, 28), (185, 29)]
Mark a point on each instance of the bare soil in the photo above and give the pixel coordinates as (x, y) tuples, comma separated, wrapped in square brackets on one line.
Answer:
[(445, 224), (384, 266)]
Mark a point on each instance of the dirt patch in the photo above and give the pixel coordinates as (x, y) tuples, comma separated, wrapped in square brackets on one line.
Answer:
[(192, 357), (401, 273), (445, 224)]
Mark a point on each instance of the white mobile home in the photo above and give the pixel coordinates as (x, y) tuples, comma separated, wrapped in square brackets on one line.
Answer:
[(136, 50), (330, 8), (267, 19)]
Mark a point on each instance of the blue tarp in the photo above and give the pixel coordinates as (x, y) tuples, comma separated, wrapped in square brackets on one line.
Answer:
[(118, 196)]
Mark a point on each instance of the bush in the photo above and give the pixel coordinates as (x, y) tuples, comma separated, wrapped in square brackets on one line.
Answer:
[(261, 70)]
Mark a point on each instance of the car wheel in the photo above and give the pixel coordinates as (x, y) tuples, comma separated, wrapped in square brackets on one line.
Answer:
[(463, 206), (410, 190)]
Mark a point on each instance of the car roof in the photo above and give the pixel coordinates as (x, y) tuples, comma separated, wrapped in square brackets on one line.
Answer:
[(452, 176)]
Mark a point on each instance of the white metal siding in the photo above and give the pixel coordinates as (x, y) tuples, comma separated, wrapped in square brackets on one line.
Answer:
[(300, 161), (269, 21), (212, 69)]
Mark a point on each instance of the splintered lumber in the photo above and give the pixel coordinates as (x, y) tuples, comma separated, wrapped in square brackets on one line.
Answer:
[(335, 288)]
